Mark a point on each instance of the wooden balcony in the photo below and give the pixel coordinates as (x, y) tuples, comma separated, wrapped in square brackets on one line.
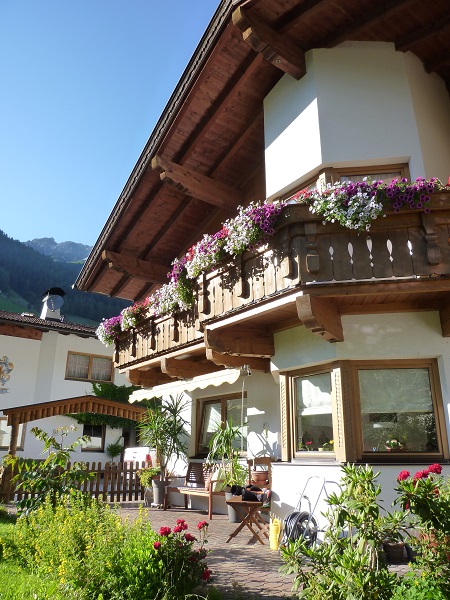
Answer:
[(402, 263)]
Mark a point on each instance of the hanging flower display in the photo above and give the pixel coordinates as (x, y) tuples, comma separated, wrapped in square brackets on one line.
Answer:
[(352, 204)]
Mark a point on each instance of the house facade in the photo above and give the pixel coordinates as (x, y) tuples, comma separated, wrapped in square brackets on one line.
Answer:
[(46, 361), (345, 333)]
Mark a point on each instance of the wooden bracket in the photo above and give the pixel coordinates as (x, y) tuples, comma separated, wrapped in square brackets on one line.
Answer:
[(321, 317), (136, 267), (431, 238), (198, 186), (240, 341), (233, 362), (186, 369), (276, 48), (148, 378)]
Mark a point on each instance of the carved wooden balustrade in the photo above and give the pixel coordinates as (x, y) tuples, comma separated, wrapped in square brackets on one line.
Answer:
[(304, 254)]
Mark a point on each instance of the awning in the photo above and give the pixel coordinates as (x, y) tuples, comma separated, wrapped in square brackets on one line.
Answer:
[(188, 385)]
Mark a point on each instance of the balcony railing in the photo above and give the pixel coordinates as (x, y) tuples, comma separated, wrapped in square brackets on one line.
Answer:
[(304, 254)]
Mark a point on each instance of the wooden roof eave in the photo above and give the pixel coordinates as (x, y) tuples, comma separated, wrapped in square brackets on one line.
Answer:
[(78, 404)]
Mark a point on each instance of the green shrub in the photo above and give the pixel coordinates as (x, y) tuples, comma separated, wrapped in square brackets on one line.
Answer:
[(418, 586), (85, 547), (51, 477), (349, 563)]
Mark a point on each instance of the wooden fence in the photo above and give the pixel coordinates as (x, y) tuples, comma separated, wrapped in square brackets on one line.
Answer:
[(111, 482)]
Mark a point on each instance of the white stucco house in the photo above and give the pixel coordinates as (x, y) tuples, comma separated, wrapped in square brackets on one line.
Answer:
[(346, 333), (46, 365)]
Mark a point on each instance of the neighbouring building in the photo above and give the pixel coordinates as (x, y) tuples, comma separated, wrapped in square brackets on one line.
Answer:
[(346, 334), (47, 367)]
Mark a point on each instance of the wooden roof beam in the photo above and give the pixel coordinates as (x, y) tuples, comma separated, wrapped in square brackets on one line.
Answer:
[(422, 34), (235, 362), (186, 369), (240, 341), (136, 267), (196, 185), (321, 317), (148, 378), (276, 49)]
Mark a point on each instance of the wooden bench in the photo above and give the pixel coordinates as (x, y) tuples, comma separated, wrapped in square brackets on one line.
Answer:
[(199, 481)]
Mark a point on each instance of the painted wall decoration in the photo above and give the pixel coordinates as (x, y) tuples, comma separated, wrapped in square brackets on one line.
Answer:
[(6, 366)]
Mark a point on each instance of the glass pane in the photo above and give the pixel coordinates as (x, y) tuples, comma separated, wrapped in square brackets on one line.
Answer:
[(211, 418), (397, 411), (386, 177), (237, 413), (101, 369), (78, 366), (314, 420), (96, 434)]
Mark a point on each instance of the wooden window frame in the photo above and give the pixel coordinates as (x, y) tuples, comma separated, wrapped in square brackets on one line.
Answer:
[(201, 403), (91, 360), (346, 411), (332, 175), (91, 448)]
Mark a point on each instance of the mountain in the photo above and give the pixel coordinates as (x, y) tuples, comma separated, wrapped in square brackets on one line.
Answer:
[(26, 274), (64, 251)]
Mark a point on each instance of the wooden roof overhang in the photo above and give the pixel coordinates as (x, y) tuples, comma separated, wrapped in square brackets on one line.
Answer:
[(206, 154), (67, 406)]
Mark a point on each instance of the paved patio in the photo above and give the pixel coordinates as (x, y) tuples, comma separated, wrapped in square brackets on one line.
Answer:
[(241, 569)]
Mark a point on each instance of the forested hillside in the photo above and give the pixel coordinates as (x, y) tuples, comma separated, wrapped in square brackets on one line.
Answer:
[(25, 275)]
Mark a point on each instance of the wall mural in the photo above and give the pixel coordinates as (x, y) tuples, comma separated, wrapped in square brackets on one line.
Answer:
[(5, 369)]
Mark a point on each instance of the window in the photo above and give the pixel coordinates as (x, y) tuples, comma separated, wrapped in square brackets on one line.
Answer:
[(359, 409), (314, 421), (88, 367), (97, 435), (5, 434), (398, 410), (215, 411)]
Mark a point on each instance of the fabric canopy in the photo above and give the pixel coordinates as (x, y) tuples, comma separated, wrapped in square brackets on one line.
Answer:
[(188, 385)]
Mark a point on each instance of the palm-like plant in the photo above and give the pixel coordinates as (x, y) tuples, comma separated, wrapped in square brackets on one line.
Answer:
[(223, 451), (164, 429)]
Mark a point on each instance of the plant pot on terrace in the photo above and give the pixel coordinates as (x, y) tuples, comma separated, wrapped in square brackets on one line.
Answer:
[(164, 429), (394, 551)]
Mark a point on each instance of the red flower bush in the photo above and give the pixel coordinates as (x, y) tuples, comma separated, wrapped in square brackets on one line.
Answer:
[(427, 496)]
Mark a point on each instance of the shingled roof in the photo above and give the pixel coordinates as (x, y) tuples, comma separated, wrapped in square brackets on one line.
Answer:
[(27, 320)]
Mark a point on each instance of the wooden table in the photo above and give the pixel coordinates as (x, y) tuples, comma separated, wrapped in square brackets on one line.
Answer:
[(251, 518)]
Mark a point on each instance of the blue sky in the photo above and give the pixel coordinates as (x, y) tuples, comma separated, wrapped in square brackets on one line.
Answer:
[(83, 83)]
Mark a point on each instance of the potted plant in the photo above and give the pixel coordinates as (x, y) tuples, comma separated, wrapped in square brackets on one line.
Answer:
[(164, 429), (224, 452), (146, 476), (114, 449)]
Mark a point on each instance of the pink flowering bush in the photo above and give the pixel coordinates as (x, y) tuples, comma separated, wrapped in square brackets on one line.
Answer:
[(426, 495)]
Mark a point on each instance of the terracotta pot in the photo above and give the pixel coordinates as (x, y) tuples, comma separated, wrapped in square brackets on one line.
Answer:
[(260, 478), (429, 538), (394, 551)]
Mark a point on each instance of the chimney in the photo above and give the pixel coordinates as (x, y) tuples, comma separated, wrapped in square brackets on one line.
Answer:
[(52, 301)]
